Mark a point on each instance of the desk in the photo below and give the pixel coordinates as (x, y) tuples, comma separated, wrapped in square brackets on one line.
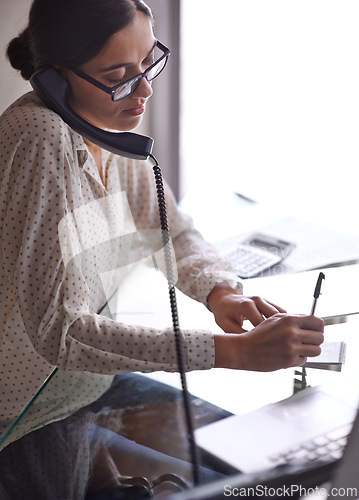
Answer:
[(240, 391), (144, 298)]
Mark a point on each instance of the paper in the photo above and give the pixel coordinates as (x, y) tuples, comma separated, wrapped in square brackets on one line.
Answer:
[(316, 246), (332, 357)]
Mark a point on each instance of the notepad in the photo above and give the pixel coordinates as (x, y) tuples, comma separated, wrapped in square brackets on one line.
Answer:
[(332, 357)]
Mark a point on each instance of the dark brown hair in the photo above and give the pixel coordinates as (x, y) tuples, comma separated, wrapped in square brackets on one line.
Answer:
[(68, 33)]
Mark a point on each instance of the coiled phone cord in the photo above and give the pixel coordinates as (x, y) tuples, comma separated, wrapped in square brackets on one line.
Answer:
[(175, 319)]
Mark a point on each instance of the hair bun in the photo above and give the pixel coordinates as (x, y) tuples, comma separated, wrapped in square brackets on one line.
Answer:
[(20, 55)]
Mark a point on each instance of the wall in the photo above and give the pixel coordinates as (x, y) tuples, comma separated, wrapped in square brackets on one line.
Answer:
[(164, 104), (13, 16)]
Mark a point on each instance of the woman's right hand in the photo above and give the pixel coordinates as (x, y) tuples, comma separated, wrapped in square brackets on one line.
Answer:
[(281, 341)]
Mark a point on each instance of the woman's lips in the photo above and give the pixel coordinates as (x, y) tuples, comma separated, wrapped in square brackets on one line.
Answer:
[(138, 110)]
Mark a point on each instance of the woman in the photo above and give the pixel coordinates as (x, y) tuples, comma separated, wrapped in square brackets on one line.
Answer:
[(67, 210)]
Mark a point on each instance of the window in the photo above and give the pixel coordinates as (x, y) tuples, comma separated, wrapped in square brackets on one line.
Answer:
[(270, 104)]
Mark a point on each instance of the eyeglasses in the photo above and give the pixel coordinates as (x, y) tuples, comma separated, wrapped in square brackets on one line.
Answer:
[(124, 89)]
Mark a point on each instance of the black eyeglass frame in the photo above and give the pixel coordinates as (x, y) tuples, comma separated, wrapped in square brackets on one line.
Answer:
[(112, 90)]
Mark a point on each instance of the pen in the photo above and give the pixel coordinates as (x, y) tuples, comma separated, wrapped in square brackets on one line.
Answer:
[(302, 384), (317, 291)]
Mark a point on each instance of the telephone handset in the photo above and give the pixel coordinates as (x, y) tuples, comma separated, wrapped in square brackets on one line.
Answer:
[(53, 90)]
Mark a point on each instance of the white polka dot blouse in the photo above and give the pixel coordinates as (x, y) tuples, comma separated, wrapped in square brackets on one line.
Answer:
[(68, 239)]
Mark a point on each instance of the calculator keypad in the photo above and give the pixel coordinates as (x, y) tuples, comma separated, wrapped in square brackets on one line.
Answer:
[(249, 261)]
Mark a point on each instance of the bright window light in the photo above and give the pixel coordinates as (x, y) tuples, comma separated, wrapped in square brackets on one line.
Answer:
[(270, 104)]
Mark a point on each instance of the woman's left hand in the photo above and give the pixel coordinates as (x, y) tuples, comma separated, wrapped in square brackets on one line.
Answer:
[(231, 309)]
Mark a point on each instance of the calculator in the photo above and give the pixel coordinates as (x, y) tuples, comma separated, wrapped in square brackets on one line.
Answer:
[(254, 255)]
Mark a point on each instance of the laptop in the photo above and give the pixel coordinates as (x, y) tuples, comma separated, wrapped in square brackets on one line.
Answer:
[(327, 478), (324, 479), (346, 477), (316, 420)]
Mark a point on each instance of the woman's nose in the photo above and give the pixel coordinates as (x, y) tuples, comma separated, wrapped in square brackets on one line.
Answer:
[(144, 89)]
